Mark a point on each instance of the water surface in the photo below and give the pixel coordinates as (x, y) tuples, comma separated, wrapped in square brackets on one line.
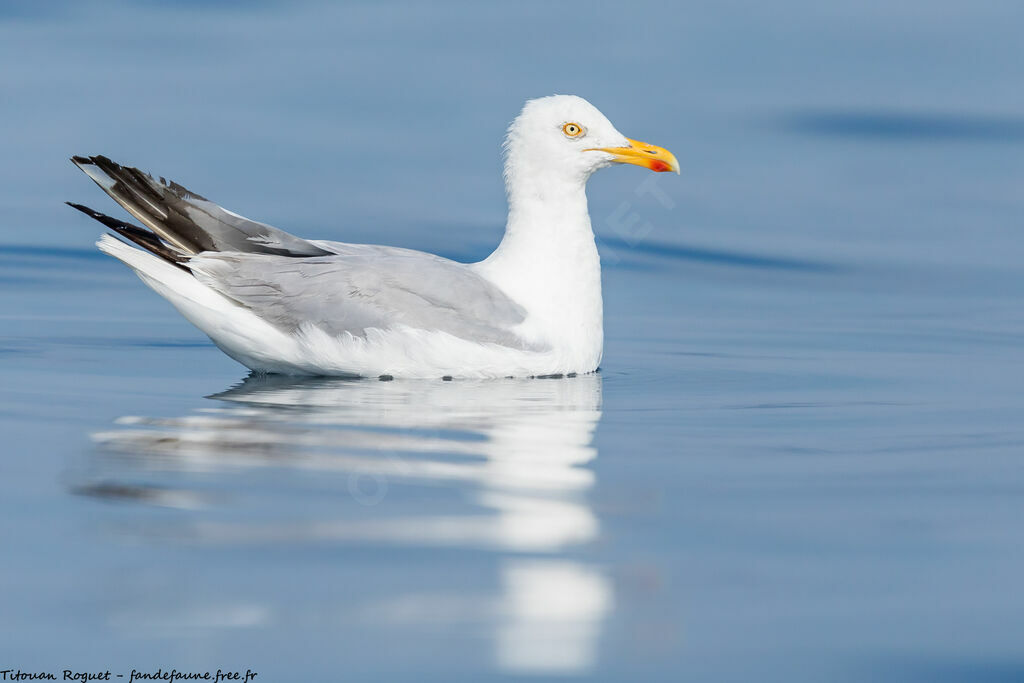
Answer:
[(802, 459)]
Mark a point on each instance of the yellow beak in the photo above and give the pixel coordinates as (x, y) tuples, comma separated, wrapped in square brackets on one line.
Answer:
[(658, 159)]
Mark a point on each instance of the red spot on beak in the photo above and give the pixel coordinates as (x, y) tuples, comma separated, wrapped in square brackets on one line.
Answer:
[(659, 166)]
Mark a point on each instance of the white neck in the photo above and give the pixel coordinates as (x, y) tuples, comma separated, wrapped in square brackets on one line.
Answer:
[(548, 263)]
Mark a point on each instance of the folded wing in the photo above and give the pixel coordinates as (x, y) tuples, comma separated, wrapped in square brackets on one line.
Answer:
[(293, 283), (183, 219), (364, 287)]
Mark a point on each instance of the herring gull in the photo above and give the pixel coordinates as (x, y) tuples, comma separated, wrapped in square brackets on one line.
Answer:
[(277, 303)]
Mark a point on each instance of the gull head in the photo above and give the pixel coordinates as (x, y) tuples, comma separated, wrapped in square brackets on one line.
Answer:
[(564, 137)]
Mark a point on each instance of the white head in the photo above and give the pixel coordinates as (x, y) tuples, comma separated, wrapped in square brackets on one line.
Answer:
[(563, 139)]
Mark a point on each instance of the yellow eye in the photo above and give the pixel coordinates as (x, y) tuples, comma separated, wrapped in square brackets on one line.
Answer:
[(573, 130)]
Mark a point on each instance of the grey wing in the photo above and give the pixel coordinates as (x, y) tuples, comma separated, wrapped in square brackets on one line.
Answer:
[(292, 282), (363, 286), (183, 219)]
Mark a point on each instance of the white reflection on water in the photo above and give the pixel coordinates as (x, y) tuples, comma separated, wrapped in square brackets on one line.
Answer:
[(518, 447), (517, 451), (551, 618), (547, 616)]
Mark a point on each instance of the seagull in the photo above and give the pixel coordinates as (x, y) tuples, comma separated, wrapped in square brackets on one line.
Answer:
[(280, 304)]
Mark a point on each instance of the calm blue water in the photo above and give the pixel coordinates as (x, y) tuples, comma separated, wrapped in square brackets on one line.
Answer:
[(803, 458)]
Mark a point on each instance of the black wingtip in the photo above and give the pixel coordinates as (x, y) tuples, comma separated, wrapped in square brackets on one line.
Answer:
[(78, 161), (106, 220), (84, 209), (140, 236), (93, 213)]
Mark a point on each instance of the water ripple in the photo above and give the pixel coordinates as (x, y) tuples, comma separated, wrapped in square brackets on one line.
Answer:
[(721, 257), (907, 126)]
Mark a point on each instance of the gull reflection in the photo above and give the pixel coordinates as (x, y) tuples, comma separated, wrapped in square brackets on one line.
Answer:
[(552, 615), (518, 447), (495, 465)]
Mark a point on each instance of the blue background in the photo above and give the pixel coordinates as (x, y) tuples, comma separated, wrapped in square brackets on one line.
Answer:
[(801, 461)]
